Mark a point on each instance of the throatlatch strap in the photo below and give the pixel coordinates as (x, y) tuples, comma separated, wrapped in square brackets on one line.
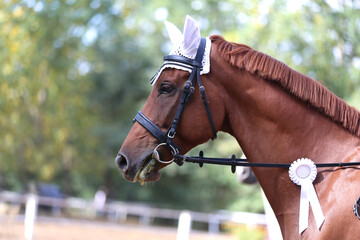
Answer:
[(203, 96)]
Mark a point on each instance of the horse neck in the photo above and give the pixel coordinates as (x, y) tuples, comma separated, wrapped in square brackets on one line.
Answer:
[(283, 127), (272, 126)]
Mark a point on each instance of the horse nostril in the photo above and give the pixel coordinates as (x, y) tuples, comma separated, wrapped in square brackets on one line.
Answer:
[(121, 162)]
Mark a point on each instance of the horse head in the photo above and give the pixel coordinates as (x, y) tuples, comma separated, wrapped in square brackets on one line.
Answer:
[(177, 84)]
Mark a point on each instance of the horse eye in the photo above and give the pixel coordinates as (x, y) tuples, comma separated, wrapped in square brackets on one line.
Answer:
[(165, 88)]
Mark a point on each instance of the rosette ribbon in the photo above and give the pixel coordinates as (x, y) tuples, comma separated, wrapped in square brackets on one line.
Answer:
[(303, 172)]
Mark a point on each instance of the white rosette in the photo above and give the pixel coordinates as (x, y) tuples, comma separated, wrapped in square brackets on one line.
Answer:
[(303, 172)]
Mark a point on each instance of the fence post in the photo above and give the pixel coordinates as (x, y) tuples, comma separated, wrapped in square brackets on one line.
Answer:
[(145, 217), (214, 224), (30, 215), (184, 226)]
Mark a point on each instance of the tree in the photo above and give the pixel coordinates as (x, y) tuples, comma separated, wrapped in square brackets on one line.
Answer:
[(46, 115)]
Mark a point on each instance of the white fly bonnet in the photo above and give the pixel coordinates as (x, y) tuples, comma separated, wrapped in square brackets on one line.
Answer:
[(186, 45)]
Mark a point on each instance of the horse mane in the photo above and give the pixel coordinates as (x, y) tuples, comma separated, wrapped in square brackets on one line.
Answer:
[(297, 84)]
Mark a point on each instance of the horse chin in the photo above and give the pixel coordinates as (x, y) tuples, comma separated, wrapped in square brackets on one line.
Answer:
[(148, 171)]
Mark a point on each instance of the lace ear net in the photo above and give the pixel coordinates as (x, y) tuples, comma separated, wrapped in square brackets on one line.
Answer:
[(177, 51)]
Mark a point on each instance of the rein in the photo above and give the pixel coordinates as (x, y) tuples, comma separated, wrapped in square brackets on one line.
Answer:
[(233, 162)]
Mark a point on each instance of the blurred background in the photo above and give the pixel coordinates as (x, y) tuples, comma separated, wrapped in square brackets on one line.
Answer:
[(73, 74)]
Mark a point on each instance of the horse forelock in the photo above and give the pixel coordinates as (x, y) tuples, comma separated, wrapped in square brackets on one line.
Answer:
[(302, 87)]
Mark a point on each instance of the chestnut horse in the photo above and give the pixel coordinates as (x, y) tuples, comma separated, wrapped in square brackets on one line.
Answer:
[(277, 115)]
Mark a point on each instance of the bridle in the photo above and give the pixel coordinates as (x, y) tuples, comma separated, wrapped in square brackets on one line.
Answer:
[(167, 138)]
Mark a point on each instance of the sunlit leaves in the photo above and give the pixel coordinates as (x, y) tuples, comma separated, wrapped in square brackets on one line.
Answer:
[(44, 112), (74, 73)]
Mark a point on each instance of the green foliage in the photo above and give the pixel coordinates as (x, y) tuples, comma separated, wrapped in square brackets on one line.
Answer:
[(47, 120), (74, 73)]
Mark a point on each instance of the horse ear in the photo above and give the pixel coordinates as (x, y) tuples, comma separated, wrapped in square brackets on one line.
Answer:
[(192, 36), (175, 34)]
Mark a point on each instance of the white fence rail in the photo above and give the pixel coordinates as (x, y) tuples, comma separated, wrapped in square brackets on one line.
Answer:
[(119, 211)]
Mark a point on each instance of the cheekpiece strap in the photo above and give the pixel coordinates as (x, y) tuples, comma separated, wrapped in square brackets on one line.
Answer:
[(187, 93)]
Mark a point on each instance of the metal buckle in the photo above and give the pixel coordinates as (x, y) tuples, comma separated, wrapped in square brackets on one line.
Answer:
[(171, 135)]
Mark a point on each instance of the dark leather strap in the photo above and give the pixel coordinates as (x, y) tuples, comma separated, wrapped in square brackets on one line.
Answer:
[(180, 59), (155, 131), (207, 109), (180, 159), (150, 126), (200, 52)]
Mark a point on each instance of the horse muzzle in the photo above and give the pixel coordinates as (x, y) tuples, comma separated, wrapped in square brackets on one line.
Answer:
[(146, 171)]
